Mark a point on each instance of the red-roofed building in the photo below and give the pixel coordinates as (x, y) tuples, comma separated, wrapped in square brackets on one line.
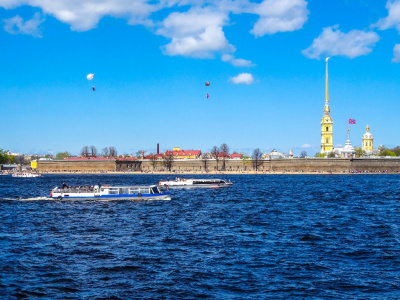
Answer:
[(177, 153), (223, 155), (155, 157), (236, 156)]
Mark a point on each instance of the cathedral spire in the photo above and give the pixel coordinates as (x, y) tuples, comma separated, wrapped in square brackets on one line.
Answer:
[(326, 123), (327, 110), (326, 82)]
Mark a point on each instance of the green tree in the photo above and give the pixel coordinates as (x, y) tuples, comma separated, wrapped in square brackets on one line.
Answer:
[(396, 150), (4, 158), (386, 152), (359, 151), (319, 155), (62, 155), (331, 154)]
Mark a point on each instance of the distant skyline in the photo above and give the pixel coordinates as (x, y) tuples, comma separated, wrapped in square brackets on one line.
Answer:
[(265, 61)]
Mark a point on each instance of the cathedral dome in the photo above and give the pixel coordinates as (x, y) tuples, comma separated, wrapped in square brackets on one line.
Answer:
[(367, 134)]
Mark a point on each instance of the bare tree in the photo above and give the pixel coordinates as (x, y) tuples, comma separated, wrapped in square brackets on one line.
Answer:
[(205, 158), (168, 159), (19, 159), (85, 151), (93, 151), (257, 155), (105, 152), (303, 154), (153, 161), (139, 153), (224, 149), (215, 153), (113, 151)]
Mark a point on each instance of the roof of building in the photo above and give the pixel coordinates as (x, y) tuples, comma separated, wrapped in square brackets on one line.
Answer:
[(100, 158), (183, 152)]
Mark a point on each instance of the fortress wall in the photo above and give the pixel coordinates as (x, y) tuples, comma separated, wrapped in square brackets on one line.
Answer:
[(376, 164), (72, 165), (336, 165)]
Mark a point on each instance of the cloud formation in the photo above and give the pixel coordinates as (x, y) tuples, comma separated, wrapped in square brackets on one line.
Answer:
[(84, 15), (17, 25), (396, 53), (195, 28), (238, 62), (333, 42), (393, 18), (243, 78), (196, 33), (280, 16)]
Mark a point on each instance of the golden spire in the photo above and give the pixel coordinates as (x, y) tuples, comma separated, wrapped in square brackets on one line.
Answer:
[(326, 83), (326, 108)]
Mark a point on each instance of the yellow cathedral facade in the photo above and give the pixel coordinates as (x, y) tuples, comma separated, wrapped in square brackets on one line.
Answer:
[(326, 123), (367, 141)]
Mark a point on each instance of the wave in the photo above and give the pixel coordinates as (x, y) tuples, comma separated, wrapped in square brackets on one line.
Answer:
[(27, 199)]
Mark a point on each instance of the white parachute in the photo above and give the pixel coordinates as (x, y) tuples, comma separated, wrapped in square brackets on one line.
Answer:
[(90, 76)]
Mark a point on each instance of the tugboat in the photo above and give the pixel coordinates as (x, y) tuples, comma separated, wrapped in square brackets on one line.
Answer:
[(107, 192)]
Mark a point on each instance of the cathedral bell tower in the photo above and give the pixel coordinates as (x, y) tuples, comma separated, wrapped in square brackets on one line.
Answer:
[(368, 141), (326, 123)]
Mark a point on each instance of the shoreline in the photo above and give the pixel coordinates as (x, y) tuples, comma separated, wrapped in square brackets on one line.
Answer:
[(177, 174)]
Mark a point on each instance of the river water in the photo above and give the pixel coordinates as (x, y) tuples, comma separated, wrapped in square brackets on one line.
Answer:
[(266, 237)]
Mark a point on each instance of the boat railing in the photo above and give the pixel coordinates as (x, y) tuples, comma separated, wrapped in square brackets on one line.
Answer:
[(76, 190)]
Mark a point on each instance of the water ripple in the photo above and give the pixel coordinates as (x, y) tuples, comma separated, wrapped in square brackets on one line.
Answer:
[(275, 236)]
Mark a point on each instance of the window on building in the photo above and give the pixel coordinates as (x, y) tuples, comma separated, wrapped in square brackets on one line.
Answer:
[(327, 128), (327, 140), (366, 143), (370, 143)]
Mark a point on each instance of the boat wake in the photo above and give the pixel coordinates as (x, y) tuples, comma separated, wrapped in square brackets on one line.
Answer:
[(27, 199)]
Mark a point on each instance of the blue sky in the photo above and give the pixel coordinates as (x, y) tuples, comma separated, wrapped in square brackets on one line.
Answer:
[(265, 61)]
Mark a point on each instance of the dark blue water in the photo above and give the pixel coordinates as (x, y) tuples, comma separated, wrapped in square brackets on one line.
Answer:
[(267, 237)]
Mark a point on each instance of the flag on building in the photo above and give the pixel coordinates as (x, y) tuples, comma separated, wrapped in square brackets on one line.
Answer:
[(352, 121)]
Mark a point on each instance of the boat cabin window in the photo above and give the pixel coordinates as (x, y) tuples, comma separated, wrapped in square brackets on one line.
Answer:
[(113, 191), (133, 191), (154, 190)]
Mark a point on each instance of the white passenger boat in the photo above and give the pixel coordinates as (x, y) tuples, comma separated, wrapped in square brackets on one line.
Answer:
[(195, 183), (106, 192), (25, 175)]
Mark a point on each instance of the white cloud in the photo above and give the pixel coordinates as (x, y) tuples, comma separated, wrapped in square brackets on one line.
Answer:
[(333, 42), (280, 16), (196, 33), (84, 15), (238, 62), (17, 25), (306, 146), (245, 78), (396, 54), (393, 18)]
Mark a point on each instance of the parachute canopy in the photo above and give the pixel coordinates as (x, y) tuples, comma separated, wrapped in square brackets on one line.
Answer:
[(207, 83), (90, 76)]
